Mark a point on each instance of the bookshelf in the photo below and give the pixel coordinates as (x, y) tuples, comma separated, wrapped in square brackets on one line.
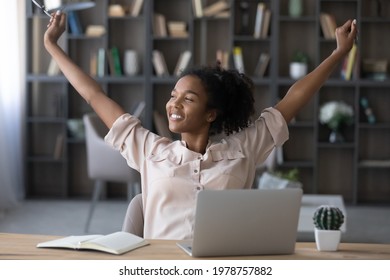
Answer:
[(358, 168)]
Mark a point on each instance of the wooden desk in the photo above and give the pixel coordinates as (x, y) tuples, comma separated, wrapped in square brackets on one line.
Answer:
[(23, 247)]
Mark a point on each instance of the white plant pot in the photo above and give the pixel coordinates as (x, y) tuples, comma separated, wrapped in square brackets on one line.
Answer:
[(327, 240), (298, 70)]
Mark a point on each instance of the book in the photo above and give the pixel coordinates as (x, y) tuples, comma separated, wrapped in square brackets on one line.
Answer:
[(93, 64), (159, 63), (348, 63), (238, 60), (139, 109), (259, 20), (215, 8), (136, 8), (177, 29), (110, 60), (262, 65), (114, 53), (74, 23), (115, 243), (197, 8), (159, 25), (330, 25), (324, 26), (101, 70), (182, 62), (266, 24), (59, 146)]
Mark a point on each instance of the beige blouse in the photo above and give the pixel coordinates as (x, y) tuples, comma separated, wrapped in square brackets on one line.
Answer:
[(173, 175)]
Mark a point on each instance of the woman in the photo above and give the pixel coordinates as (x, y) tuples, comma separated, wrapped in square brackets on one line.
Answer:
[(203, 102)]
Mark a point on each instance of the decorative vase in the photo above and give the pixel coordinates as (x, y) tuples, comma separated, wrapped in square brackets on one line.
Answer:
[(298, 70), (131, 66), (335, 136), (327, 240), (244, 7), (295, 8)]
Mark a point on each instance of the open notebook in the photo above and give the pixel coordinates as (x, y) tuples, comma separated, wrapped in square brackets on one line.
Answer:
[(115, 243), (245, 222)]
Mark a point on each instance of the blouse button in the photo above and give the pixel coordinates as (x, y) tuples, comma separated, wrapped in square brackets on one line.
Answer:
[(196, 171)]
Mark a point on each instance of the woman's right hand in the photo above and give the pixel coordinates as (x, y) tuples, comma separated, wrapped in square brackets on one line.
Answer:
[(55, 28)]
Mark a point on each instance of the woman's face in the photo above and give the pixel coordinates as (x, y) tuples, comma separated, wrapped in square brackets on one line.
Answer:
[(187, 107)]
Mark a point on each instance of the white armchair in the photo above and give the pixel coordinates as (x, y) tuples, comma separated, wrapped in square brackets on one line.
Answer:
[(106, 164)]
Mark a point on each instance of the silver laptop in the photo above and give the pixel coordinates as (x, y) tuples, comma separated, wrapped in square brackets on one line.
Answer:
[(245, 222)]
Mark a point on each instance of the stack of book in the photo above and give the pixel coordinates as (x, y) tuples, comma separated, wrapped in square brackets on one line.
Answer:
[(375, 69), (106, 61), (177, 29)]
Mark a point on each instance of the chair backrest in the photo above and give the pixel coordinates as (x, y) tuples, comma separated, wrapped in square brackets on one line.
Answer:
[(134, 219), (103, 162)]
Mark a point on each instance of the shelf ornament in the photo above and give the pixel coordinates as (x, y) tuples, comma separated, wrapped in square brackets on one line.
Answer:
[(299, 65), (336, 114)]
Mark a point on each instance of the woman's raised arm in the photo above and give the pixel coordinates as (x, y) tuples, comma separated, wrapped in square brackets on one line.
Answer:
[(301, 91), (88, 88)]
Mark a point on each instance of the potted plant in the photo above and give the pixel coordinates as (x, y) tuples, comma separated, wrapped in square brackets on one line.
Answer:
[(327, 221), (280, 180), (299, 65)]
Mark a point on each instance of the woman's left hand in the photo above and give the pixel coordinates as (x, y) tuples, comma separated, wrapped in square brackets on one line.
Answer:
[(346, 36)]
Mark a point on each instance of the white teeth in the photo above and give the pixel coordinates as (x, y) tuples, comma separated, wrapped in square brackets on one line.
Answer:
[(175, 116)]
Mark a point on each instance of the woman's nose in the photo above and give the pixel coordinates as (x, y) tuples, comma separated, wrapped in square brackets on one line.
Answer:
[(176, 102)]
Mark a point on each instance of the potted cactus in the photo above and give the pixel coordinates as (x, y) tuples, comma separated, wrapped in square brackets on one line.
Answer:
[(327, 221)]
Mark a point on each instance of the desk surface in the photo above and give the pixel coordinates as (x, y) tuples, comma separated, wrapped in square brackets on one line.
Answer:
[(23, 246)]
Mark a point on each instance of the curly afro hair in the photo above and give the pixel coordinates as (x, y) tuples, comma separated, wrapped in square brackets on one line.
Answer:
[(230, 93)]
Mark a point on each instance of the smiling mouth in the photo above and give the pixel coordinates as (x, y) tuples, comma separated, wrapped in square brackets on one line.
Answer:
[(176, 117)]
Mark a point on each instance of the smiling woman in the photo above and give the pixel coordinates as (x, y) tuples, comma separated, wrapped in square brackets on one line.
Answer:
[(204, 101), (11, 103)]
